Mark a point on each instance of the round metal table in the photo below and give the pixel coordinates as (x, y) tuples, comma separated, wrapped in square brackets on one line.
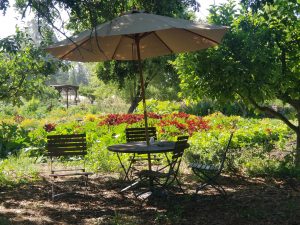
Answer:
[(141, 148)]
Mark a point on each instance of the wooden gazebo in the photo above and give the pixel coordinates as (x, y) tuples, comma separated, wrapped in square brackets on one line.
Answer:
[(67, 89)]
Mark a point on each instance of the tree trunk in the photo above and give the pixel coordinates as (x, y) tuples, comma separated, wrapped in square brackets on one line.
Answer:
[(134, 104), (297, 153), (138, 96), (297, 150)]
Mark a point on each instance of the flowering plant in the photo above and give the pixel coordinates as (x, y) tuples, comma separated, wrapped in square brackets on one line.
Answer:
[(49, 127), (116, 119)]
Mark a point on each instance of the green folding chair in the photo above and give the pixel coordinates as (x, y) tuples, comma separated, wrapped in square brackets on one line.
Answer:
[(209, 173)]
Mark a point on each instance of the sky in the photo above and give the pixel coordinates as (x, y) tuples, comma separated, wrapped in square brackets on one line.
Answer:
[(11, 19)]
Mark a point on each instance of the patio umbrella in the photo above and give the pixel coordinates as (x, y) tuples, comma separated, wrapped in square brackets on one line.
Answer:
[(136, 36)]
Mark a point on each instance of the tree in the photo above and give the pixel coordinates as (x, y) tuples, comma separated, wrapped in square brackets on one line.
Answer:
[(87, 14), (258, 61), (156, 69), (24, 68)]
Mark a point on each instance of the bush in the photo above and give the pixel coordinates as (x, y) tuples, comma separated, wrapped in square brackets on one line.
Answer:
[(159, 107), (7, 110), (252, 144), (16, 169), (12, 139), (206, 107)]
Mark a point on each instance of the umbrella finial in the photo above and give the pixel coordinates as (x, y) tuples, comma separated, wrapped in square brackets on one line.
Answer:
[(133, 11)]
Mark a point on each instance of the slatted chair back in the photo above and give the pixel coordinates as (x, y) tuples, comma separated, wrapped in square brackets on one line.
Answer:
[(139, 134), (180, 146), (66, 145), (174, 165), (185, 137), (224, 155)]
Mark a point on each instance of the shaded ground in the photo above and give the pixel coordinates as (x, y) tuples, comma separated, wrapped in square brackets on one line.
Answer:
[(249, 201)]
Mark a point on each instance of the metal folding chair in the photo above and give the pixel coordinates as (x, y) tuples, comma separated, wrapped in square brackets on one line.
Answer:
[(166, 175), (209, 173), (175, 162), (68, 148), (136, 135)]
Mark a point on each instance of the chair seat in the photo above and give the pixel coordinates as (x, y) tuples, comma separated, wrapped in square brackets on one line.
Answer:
[(71, 174), (205, 167), (145, 158)]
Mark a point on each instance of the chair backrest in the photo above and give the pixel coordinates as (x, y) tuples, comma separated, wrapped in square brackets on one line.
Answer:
[(66, 145), (179, 138), (139, 134), (180, 146), (174, 164), (225, 153)]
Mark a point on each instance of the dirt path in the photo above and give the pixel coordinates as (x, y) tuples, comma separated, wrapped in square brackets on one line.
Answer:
[(250, 201)]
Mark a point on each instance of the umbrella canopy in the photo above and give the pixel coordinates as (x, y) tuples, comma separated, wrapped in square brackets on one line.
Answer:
[(157, 35), (137, 36)]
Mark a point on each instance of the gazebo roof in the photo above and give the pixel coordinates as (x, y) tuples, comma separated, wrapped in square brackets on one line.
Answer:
[(65, 86)]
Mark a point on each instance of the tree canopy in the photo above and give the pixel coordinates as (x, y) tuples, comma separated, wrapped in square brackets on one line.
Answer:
[(24, 67), (87, 14), (259, 59)]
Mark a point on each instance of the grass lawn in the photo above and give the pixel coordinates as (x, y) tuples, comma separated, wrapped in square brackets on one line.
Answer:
[(249, 201)]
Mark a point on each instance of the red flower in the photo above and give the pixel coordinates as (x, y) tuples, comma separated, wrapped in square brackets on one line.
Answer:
[(18, 118), (181, 115), (116, 119), (49, 127), (154, 115)]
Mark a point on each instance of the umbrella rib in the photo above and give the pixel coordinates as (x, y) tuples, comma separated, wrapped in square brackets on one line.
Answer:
[(98, 45), (156, 35), (78, 47), (146, 34), (131, 37), (202, 36), (73, 49), (113, 56)]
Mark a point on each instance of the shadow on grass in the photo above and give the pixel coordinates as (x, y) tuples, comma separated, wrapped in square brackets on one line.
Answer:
[(249, 201)]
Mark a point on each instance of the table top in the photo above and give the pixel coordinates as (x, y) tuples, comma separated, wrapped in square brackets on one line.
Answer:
[(142, 148)]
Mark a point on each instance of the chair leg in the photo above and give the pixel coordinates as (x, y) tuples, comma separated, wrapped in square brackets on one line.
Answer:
[(179, 184), (201, 186), (169, 180), (86, 184), (52, 190), (219, 188), (209, 181), (128, 170)]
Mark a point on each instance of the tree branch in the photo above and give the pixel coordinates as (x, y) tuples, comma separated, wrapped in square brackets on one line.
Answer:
[(149, 79), (44, 15), (274, 113), (293, 102)]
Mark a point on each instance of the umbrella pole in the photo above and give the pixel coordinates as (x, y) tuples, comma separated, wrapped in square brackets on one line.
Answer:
[(137, 42)]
